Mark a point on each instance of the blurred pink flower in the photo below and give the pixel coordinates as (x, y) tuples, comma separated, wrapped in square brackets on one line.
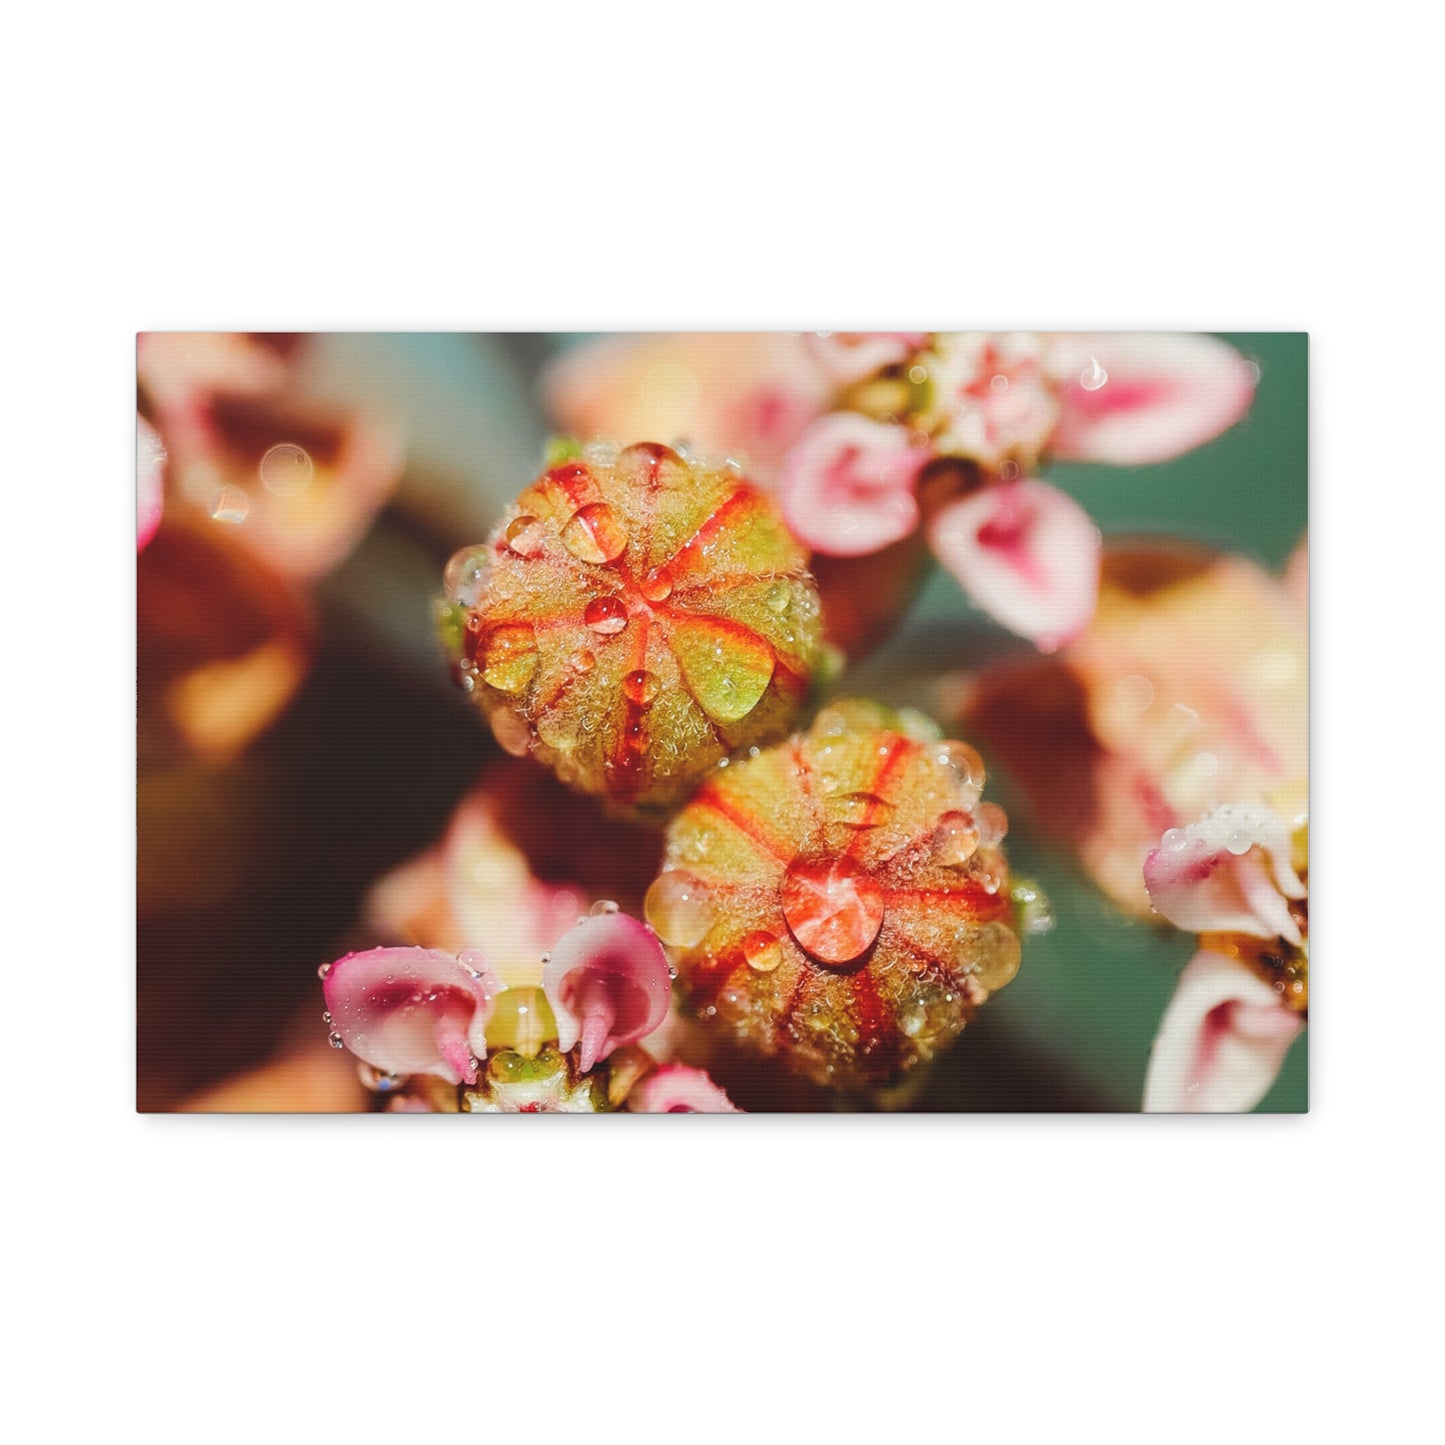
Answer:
[(745, 394), (297, 482), (150, 460), (1189, 689), (1024, 551), (678, 1089), (1232, 878)]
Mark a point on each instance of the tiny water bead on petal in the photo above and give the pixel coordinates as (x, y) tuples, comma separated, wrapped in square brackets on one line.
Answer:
[(635, 618), (829, 901)]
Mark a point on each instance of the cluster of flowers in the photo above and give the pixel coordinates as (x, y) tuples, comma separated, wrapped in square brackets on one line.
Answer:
[(837, 898), (655, 625)]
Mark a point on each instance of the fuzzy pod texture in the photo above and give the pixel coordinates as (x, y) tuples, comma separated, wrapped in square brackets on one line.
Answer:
[(841, 899), (635, 617)]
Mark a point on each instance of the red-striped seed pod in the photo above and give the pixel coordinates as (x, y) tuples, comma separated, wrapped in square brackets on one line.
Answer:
[(841, 899), (635, 617)]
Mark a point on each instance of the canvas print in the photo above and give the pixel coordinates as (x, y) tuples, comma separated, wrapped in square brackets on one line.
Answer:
[(722, 722)]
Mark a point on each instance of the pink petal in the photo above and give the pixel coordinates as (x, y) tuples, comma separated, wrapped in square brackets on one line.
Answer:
[(608, 983), (1221, 1042), (413, 1010), (1135, 397), (150, 458), (1027, 554), (677, 1089), (851, 355), (1228, 873), (847, 485)]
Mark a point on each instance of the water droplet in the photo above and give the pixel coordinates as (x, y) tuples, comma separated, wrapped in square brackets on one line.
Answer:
[(604, 906), (999, 382), (678, 908), (995, 955), (323, 970), (1135, 693), (606, 615), (833, 908), (1238, 841), (656, 586), (1176, 840), (465, 576), (286, 469), (508, 656), (379, 1081), (779, 598), (1008, 470), (858, 810), (582, 661), (1093, 376), (512, 731), (335, 1040), (526, 536), (596, 533), (727, 667), (917, 375), (641, 687), (763, 950), (230, 505), (955, 840), (992, 823), (966, 762)]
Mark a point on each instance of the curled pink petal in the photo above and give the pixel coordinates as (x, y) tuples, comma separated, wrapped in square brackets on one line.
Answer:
[(847, 485), (150, 458), (1221, 1043), (1228, 873), (413, 1010), (1136, 397), (677, 1089), (1027, 554), (851, 355), (608, 983)]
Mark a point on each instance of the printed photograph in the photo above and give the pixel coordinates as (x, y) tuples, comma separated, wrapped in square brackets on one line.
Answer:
[(722, 722)]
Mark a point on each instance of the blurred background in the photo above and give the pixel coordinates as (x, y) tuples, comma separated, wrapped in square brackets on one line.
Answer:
[(299, 735)]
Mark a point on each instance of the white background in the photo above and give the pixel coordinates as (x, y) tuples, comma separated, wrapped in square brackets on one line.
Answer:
[(749, 165)]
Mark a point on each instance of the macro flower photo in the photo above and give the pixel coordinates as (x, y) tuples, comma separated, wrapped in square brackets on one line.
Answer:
[(722, 722)]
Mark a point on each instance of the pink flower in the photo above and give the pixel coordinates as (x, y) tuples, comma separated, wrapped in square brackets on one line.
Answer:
[(568, 989), (1027, 553), (296, 481), (608, 983), (999, 404), (1228, 873), (852, 492), (1190, 688), (1240, 1003), (1222, 1041), (678, 1089), (413, 1010)]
